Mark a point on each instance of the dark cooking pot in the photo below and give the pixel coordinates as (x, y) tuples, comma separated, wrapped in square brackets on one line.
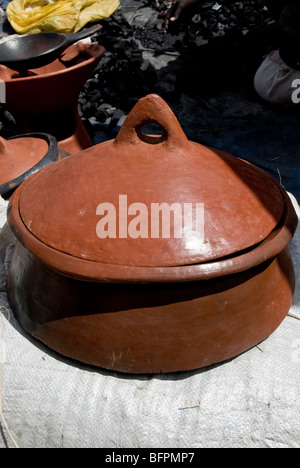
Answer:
[(100, 277), (23, 155)]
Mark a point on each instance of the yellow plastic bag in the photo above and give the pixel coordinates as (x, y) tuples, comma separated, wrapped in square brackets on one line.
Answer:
[(63, 16)]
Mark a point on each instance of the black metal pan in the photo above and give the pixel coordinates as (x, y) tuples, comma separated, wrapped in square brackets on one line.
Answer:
[(36, 50)]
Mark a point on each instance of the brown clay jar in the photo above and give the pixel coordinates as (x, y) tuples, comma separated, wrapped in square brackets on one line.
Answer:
[(46, 99), (146, 304)]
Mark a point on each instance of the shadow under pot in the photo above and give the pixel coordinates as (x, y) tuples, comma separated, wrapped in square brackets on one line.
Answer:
[(23, 155), (157, 254)]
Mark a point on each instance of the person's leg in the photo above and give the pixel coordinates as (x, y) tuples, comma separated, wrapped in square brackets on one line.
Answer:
[(275, 82), (258, 43)]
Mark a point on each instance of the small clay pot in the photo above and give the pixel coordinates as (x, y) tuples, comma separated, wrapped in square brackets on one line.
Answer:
[(145, 304), (23, 155), (46, 99)]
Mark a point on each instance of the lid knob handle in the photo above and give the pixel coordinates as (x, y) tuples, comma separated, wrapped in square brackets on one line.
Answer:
[(152, 109), (3, 146)]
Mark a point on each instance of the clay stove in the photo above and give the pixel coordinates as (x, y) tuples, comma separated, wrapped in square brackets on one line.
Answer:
[(46, 99)]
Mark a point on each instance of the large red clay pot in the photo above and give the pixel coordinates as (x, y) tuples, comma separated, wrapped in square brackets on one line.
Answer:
[(46, 99), (157, 303)]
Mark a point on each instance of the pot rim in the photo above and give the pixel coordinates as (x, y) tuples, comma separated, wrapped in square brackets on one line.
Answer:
[(87, 270), (87, 62), (50, 156)]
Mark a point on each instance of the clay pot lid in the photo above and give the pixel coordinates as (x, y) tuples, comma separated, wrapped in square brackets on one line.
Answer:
[(23, 155), (57, 212)]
